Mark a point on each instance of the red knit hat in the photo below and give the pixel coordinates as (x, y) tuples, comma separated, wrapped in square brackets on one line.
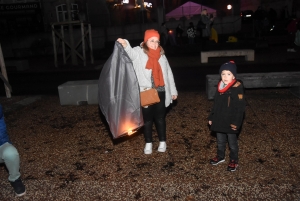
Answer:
[(150, 33)]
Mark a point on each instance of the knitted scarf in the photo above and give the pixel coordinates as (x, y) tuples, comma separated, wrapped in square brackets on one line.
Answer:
[(226, 87), (152, 63)]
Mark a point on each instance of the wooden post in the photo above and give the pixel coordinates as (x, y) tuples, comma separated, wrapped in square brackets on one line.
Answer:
[(62, 31), (54, 46), (73, 53), (3, 70), (83, 43), (91, 48)]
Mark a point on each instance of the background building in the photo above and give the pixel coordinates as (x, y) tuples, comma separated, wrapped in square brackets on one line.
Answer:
[(20, 16)]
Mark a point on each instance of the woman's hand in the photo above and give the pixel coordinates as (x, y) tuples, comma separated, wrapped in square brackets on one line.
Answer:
[(122, 41), (174, 97)]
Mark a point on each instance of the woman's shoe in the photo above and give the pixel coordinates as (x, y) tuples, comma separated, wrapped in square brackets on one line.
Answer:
[(162, 147), (148, 148)]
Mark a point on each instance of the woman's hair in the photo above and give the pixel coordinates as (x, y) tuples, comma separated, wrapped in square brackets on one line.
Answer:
[(144, 46)]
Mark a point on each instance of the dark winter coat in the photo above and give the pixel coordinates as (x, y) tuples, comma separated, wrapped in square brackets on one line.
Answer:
[(207, 31), (228, 109)]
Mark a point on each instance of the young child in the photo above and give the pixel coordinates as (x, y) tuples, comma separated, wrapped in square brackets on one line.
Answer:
[(227, 114), (10, 157)]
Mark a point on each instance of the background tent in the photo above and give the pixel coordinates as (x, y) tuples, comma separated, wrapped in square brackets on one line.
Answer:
[(188, 10)]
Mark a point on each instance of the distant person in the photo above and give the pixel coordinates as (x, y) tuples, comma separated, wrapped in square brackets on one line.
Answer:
[(172, 37), (259, 17), (164, 34), (285, 13), (292, 29), (191, 33), (153, 71), (297, 36), (272, 16), (10, 157), (206, 30), (227, 115), (179, 32)]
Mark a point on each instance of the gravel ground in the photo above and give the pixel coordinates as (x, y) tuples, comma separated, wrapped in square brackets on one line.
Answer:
[(67, 153)]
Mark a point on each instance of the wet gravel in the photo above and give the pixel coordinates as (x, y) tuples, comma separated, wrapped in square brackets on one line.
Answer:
[(67, 153)]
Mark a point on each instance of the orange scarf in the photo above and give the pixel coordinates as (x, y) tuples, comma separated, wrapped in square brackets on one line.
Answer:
[(152, 63)]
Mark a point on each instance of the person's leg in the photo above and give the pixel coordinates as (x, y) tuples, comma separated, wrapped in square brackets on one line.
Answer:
[(10, 156), (205, 41), (290, 42), (293, 45), (160, 121), (234, 147), (221, 142), (160, 117), (148, 115)]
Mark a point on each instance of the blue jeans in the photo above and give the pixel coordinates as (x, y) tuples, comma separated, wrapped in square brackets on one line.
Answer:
[(233, 145), (10, 156)]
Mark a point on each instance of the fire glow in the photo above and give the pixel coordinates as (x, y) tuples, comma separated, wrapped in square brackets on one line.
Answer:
[(130, 132)]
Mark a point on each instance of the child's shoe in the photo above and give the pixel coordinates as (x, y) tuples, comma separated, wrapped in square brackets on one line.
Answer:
[(162, 147), (216, 160), (148, 148), (232, 166), (19, 187)]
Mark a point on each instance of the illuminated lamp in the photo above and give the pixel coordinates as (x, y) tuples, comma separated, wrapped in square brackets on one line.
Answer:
[(146, 4)]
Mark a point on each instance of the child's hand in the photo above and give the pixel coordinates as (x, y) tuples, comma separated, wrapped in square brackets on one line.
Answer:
[(233, 127), (210, 122)]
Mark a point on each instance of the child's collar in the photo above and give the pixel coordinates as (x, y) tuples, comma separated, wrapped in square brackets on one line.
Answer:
[(227, 86)]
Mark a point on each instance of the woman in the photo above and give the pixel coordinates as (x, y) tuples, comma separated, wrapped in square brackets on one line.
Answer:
[(179, 32), (207, 31), (191, 33), (153, 71)]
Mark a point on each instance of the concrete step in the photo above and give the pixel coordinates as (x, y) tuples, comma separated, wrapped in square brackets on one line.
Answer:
[(78, 92), (257, 80)]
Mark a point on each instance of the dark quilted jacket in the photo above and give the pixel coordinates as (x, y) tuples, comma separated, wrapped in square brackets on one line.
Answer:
[(228, 108)]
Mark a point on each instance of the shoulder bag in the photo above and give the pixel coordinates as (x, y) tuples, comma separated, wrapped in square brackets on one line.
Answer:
[(149, 97)]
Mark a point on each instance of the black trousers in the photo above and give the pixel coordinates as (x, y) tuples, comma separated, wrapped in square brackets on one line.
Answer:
[(205, 43), (233, 145), (155, 113)]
